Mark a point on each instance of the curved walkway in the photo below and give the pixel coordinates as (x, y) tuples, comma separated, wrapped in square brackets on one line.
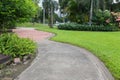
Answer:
[(59, 61), (32, 34)]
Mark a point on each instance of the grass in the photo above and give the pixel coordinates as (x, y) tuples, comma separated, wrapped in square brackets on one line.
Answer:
[(105, 45)]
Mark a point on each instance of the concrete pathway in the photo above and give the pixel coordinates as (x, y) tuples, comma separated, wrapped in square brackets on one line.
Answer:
[(59, 61)]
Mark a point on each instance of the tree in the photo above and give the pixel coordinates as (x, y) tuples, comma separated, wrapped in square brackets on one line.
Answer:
[(78, 10), (115, 7), (37, 17), (49, 6), (13, 11), (91, 13), (45, 7), (63, 6), (82, 11)]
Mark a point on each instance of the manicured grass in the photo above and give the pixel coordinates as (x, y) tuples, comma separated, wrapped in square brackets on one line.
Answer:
[(105, 45)]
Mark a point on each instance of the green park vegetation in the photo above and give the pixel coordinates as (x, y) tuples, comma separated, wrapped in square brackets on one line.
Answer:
[(96, 23), (105, 45), (79, 27), (12, 12), (12, 45)]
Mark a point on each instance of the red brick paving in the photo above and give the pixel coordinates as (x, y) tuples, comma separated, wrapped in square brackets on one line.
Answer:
[(32, 34)]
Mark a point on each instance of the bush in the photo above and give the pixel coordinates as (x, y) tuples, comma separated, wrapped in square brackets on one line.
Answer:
[(100, 17), (75, 26), (12, 45)]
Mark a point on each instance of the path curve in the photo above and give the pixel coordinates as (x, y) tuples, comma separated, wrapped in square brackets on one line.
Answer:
[(60, 61), (31, 33)]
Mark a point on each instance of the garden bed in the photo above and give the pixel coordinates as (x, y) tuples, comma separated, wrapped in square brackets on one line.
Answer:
[(20, 53), (11, 71), (4, 59)]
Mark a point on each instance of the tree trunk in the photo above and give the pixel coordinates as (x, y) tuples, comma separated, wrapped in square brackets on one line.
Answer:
[(104, 5), (43, 16), (91, 13), (60, 12), (51, 17), (98, 3)]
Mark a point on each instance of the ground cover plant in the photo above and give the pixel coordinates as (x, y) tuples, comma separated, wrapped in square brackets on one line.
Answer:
[(105, 45), (12, 45)]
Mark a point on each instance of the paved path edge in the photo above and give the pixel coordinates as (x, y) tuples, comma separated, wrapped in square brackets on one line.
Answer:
[(104, 72)]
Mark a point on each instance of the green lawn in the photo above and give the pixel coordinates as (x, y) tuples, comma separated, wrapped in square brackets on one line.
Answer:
[(105, 45)]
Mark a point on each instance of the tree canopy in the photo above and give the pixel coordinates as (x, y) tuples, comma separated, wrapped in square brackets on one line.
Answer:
[(12, 11), (49, 7), (79, 10)]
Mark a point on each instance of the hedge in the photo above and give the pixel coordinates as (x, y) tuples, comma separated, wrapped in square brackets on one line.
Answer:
[(79, 27)]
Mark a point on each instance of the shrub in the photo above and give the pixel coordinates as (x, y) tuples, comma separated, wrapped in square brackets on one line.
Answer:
[(75, 26), (100, 17), (12, 45)]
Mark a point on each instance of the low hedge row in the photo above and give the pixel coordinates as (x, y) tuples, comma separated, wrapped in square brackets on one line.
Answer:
[(79, 27), (12, 45)]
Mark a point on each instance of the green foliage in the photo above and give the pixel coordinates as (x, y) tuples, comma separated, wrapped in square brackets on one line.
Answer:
[(105, 45), (12, 45), (28, 24), (75, 26), (115, 7), (12, 11), (49, 7), (100, 17), (77, 10)]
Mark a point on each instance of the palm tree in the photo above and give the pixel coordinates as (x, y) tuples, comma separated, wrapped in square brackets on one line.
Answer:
[(44, 4), (98, 4), (77, 10), (91, 13), (62, 7), (60, 4), (49, 7)]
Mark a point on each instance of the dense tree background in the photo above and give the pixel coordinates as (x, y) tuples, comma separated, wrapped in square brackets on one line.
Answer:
[(13, 11), (79, 10), (49, 8)]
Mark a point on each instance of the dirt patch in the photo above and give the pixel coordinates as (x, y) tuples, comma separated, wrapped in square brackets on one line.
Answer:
[(32, 34), (11, 71)]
